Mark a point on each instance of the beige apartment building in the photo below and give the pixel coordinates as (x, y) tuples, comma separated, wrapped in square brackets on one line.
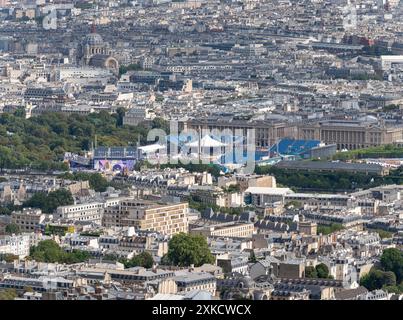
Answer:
[(28, 220), (348, 134), (246, 181), (81, 212), (212, 195), (166, 218), (190, 281), (227, 229), (308, 228)]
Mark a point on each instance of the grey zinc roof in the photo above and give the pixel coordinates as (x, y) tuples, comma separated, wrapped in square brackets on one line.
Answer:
[(268, 260), (186, 277), (349, 294)]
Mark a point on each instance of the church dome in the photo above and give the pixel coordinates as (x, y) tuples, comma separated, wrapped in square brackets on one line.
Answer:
[(93, 39)]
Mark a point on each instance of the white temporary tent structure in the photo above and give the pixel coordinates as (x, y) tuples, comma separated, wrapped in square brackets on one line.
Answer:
[(206, 142)]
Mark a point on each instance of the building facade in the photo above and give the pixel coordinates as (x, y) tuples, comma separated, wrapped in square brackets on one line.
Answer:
[(230, 229), (166, 218), (82, 212), (28, 220), (267, 132), (17, 245), (94, 52), (351, 134)]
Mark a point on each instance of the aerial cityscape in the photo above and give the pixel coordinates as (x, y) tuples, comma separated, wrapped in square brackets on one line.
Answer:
[(209, 150)]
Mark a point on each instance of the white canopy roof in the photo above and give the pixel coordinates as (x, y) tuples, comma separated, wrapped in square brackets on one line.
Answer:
[(206, 142), (152, 148)]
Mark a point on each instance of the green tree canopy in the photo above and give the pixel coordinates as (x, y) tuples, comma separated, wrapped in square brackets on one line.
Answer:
[(143, 259), (186, 249), (376, 279), (48, 203), (8, 257), (46, 251), (392, 260), (310, 272), (12, 228), (335, 181), (50, 251), (8, 294), (161, 123), (324, 229), (40, 142), (322, 271), (131, 67), (394, 289), (120, 113)]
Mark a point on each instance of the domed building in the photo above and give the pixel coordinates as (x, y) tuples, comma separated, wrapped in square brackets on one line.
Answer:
[(93, 51)]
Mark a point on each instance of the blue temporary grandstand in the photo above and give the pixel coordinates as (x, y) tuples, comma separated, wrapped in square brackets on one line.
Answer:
[(292, 147)]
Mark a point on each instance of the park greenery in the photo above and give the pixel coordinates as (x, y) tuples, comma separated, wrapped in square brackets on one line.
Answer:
[(7, 208), (12, 228), (232, 188), (48, 202), (388, 275), (377, 279), (39, 143), (328, 229), (143, 259), (8, 257), (131, 67), (50, 251), (186, 249), (320, 271), (329, 181), (59, 230), (91, 233), (8, 294), (385, 151), (383, 234), (392, 260), (391, 107)]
